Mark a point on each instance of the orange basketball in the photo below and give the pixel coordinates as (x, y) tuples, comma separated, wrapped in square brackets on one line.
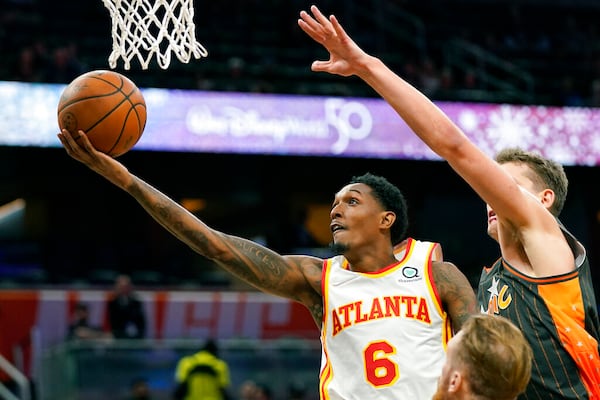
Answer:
[(108, 107)]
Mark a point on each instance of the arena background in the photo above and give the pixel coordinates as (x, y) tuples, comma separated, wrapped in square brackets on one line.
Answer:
[(77, 231)]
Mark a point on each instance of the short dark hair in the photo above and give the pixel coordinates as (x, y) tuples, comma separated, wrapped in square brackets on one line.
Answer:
[(211, 346), (391, 198)]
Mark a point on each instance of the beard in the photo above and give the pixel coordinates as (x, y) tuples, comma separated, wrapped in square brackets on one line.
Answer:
[(338, 248)]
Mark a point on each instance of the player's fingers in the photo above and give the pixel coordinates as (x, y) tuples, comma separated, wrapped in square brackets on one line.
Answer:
[(310, 31), (311, 27), (64, 141), (317, 23), (79, 142), (310, 22), (69, 144), (67, 138), (319, 66), (307, 19), (319, 16), (85, 142), (338, 28)]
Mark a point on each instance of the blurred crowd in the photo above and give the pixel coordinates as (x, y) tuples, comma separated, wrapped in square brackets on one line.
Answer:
[(259, 48), (452, 50)]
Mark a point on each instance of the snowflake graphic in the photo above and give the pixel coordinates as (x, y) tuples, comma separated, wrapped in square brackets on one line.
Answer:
[(595, 147), (511, 126), (576, 120), (561, 154)]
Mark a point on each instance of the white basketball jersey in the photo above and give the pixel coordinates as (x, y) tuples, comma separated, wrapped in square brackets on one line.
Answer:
[(384, 334)]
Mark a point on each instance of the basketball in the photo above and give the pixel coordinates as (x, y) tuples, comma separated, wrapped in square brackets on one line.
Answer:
[(108, 107)]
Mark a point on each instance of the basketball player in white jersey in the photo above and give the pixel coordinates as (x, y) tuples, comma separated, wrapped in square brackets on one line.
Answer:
[(380, 312), (542, 281), (384, 322), (401, 248)]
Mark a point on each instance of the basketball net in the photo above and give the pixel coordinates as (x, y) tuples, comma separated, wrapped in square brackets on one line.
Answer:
[(147, 28)]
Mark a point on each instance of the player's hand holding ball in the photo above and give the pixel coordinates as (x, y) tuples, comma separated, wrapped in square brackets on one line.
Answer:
[(108, 107)]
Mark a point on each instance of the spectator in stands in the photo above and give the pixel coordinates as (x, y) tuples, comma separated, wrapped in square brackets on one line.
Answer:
[(80, 327), (429, 77), (263, 392), (296, 391), (247, 390), (31, 63), (25, 69), (202, 375), (139, 390), (569, 94), (470, 81), (447, 85), (237, 79), (126, 314), (65, 66)]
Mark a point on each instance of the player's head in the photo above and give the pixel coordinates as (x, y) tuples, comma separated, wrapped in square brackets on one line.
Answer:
[(123, 285), (543, 178), (211, 346), (488, 359), (369, 204), (81, 311)]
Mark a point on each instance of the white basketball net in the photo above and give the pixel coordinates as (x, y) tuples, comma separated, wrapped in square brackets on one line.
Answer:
[(144, 28)]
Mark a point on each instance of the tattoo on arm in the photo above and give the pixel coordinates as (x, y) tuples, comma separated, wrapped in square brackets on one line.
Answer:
[(457, 294), (250, 261), (255, 263)]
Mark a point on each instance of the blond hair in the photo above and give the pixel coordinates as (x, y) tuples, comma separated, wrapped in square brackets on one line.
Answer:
[(496, 356)]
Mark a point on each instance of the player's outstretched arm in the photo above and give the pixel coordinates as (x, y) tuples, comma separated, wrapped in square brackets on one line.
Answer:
[(515, 207), (425, 118), (294, 277)]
